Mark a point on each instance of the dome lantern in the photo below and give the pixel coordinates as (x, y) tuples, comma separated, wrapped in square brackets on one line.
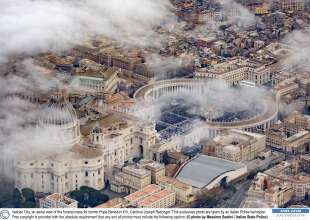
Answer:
[(96, 136)]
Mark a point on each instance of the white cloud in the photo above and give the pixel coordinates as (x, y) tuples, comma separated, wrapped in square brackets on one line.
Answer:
[(237, 14), (299, 57), (30, 26), (164, 66)]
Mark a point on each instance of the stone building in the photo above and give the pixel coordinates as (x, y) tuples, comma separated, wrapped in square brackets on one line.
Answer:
[(260, 75), (288, 172), (292, 5), (135, 197), (237, 70), (87, 153), (184, 192), (305, 163), (130, 179), (232, 72), (289, 138), (268, 191), (121, 137), (61, 173), (238, 145), (162, 199), (75, 165), (57, 200), (151, 196), (157, 169)]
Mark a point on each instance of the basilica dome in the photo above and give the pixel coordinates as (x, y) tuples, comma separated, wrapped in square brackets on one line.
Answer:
[(58, 111), (58, 114)]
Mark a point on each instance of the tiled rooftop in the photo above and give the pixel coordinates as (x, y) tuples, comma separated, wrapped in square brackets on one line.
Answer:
[(175, 182), (60, 198), (148, 190), (111, 203), (155, 197)]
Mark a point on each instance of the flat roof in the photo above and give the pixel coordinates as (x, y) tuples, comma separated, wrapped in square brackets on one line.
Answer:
[(231, 147), (296, 136), (155, 197), (175, 182), (146, 191), (57, 197), (111, 203), (136, 171), (204, 169)]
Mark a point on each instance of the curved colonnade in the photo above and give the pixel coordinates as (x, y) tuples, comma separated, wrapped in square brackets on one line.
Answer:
[(258, 123)]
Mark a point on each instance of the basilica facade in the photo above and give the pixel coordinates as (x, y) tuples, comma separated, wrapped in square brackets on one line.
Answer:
[(89, 152)]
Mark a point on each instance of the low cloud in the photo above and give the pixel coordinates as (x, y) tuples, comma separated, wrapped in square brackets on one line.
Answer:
[(299, 57), (34, 26), (231, 13), (163, 66), (19, 131), (29, 27), (237, 14)]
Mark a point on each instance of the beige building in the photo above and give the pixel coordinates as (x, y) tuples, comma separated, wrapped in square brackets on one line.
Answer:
[(301, 186), (92, 77), (299, 120), (133, 198), (237, 145), (162, 199), (157, 169), (263, 9), (266, 191), (288, 172), (76, 164), (305, 163), (184, 192), (62, 173), (279, 194), (232, 72), (284, 88), (236, 70), (121, 138), (260, 75), (157, 150), (130, 179), (151, 196), (288, 138), (89, 152), (292, 5), (57, 200)]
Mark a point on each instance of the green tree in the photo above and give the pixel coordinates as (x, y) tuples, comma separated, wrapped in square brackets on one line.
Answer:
[(87, 196), (211, 202), (96, 197), (165, 158), (223, 183), (232, 188), (77, 195), (222, 27), (17, 198), (28, 195)]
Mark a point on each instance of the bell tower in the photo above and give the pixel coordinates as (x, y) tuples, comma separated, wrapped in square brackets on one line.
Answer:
[(96, 136)]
